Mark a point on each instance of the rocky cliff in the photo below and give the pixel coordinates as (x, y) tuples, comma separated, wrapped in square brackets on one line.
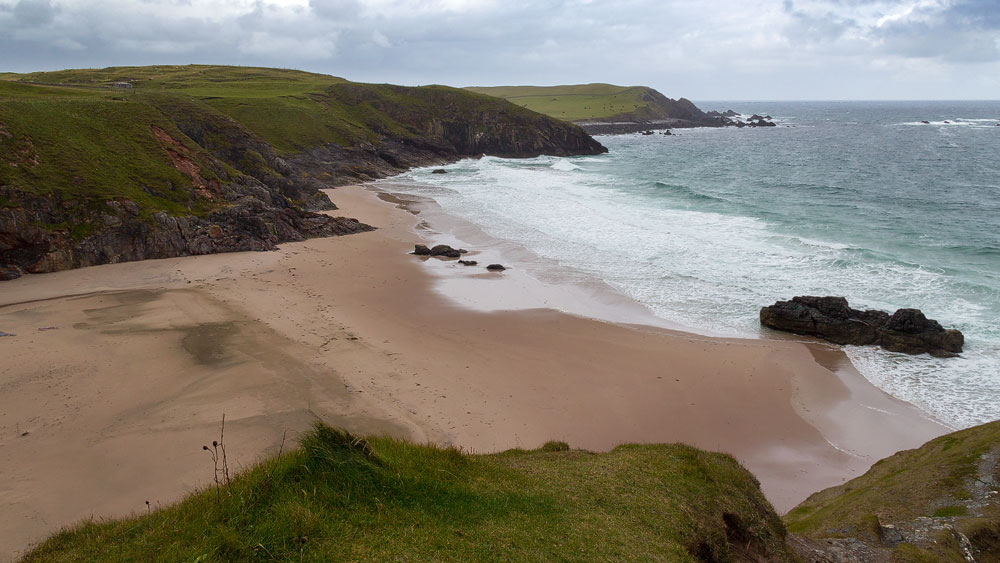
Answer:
[(90, 175)]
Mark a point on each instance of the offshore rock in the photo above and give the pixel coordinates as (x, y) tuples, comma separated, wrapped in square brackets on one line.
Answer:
[(910, 332), (831, 318)]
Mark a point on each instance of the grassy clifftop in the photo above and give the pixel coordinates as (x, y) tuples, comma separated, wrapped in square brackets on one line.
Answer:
[(340, 498), (91, 160), (939, 502), (597, 102), (76, 123)]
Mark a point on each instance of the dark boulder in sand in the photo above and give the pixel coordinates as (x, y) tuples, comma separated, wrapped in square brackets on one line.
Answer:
[(447, 251), (496, 267), (831, 318), (468, 262), (441, 250)]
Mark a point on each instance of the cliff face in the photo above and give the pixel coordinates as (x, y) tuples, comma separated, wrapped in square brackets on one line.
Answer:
[(41, 234), (88, 176)]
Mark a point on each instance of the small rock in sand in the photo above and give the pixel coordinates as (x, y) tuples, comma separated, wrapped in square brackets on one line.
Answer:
[(495, 267), (2, 334), (468, 262), (421, 250)]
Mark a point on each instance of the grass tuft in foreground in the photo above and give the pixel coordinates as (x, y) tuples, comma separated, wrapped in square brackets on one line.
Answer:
[(339, 497)]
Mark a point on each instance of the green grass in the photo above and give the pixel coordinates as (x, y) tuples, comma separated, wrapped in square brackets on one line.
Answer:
[(929, 481), (72, 134), (340, 498), (573, 102), (87, 145)]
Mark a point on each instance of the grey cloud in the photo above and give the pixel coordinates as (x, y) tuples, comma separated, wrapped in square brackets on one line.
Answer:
[(966, 31), (34, 12), (342, 10), (682, 46)]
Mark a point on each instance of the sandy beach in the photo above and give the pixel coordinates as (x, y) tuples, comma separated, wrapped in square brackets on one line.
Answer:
[(117, 375)]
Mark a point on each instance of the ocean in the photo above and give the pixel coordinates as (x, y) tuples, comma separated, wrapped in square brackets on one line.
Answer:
[(706, 226)]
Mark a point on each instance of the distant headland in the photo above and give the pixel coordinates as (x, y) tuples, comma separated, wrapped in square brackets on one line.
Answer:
[(607, 109)]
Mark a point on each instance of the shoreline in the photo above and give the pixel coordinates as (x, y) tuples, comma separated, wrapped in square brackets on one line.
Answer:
[(277, 339)]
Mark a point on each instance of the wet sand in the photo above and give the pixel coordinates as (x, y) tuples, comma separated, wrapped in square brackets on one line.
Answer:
[(109, 408)]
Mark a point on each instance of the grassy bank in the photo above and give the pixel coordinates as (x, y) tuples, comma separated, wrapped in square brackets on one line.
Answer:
[(341, 498), (917, 505)]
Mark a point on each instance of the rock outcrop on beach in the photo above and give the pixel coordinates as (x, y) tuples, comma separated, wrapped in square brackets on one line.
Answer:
[(441, 250), (831, 318), (256, 221), (89, 177)]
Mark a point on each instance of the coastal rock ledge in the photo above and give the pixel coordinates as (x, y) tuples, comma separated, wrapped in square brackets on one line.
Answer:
[(831, 318)]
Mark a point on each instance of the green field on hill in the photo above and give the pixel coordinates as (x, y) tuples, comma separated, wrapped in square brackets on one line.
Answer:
[(75, 133), (578, 102)]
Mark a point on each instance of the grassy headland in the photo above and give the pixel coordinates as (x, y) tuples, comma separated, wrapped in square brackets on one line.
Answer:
[(596, 102), (343, 498), (77, 124), (77, 147)]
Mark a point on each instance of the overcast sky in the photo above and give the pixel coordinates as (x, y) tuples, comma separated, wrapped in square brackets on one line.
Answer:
[(704, 50)]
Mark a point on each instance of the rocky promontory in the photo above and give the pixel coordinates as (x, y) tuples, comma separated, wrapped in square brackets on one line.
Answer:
[(831, 318), (88, 176)]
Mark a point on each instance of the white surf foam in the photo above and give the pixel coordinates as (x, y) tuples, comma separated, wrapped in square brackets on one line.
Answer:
[(714, 271)]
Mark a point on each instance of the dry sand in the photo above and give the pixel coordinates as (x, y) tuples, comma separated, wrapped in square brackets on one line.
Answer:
[(110, 406)]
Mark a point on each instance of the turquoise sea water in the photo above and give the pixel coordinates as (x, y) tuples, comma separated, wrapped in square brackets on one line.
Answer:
[(704, 227)]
